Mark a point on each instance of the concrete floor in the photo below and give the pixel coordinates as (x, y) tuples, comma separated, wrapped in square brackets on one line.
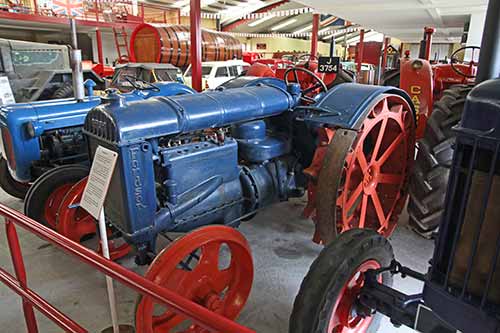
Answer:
[(282, 251)]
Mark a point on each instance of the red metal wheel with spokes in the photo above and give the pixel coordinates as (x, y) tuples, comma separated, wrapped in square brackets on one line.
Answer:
[(75, 223), (211, 266), (342, 318), (377, 169), (364, 174)]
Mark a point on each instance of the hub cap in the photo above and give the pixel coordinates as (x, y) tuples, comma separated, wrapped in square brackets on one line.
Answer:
[(344, 318)]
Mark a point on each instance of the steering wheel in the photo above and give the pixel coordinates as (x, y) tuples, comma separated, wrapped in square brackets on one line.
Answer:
[(307, 57), (453, 60), (144, 85), (319, 83)]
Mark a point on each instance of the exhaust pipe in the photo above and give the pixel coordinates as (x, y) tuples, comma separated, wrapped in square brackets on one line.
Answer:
[(489, 56), (76, 65)]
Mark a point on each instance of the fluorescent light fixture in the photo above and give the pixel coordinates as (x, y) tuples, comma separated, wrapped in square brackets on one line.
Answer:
[(284, 24), (309, 27), (179, 4), (261, 20), (367, 36)]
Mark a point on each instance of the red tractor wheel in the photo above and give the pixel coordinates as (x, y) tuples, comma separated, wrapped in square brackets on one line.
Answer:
[(362, 177), (328, 299), (75, 223), (47, 192), (197, 267)]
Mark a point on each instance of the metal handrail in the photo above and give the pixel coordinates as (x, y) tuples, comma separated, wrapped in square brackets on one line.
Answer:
[(200, 315)]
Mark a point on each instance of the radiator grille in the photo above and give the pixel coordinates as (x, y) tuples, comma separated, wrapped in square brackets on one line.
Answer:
[(102, 125), (466, 261)]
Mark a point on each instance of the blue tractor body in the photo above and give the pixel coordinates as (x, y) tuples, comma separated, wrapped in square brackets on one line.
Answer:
[(215, 157), (40, 135)]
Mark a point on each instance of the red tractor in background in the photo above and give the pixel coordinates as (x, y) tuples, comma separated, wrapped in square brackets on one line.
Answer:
[(305, 72), (438, 92)]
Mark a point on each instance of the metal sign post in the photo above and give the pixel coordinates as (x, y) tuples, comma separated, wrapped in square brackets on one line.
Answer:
[(93, 202)]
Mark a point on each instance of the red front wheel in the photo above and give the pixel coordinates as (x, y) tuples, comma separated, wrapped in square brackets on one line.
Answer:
[(211, 266), (327, 301)]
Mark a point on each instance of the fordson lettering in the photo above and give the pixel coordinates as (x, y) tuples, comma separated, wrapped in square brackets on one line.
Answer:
[(136, 172)]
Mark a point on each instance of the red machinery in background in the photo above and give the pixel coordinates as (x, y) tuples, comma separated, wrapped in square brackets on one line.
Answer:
[(438, 92)]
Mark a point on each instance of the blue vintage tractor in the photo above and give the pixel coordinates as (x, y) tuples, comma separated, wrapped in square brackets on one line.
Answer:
[(39, 136), (219, 157)]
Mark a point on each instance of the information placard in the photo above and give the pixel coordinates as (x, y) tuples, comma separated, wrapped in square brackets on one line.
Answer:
[(98, 181), (6, 95)]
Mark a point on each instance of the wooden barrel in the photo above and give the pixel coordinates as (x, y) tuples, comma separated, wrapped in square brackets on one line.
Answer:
[(171, 44)]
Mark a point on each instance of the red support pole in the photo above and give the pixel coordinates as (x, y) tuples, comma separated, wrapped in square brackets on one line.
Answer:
[(100, 56), (384, 57), (18, 263), (164, 16), (361, 49), (142, 11), (35, 5), (96, 5), (178, 16), (314, 37), (195, 20)]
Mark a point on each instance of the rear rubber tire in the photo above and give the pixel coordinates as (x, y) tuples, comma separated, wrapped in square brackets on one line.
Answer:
[(391, 78), (429, 180), (41, 189), (330, 272), (9, 184)]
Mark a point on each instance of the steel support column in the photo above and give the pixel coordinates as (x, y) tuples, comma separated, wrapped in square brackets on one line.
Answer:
[(98, 37), (195, 48), (384, 57), (360, 49), (314, 37)]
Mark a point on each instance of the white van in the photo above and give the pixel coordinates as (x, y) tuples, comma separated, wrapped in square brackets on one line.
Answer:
[(215, 73)]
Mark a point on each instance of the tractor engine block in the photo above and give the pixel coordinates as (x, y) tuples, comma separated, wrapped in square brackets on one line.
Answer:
[(192, 161)]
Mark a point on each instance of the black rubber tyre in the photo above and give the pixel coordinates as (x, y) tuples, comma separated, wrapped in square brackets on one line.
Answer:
[(330, 272), (428, 183), (9, 184), (37, 196), (391, 78), (64, 91)]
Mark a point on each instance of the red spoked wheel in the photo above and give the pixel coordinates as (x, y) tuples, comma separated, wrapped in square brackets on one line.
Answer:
[(76, 224), (342, 318), (363, 175), (377, 170), (211, 266)]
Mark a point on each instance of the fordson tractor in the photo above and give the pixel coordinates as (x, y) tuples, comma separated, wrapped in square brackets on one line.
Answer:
[(438, 92), (348, 287), (191, 161)]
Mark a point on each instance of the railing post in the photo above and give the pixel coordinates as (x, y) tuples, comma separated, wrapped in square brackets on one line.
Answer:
[(18, 263)]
